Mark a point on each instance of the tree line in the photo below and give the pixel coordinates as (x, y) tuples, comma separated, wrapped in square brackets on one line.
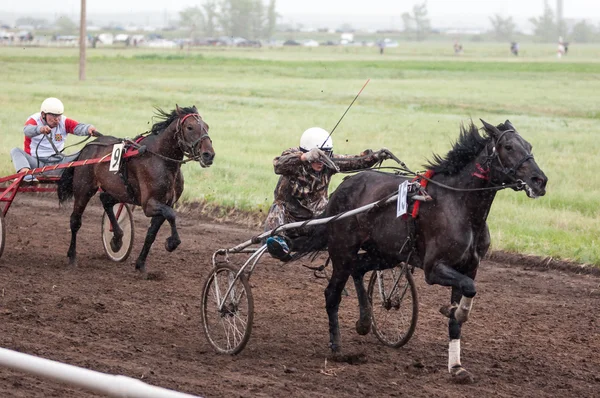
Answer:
[(257, 19)]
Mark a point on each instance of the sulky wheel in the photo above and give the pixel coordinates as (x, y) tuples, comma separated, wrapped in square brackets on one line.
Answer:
[(395, 305), (227, 320), (2, 233), (125, 218)]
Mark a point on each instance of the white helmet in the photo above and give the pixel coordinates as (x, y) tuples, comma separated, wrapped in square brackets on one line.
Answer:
[(52, 105), (316, 137)]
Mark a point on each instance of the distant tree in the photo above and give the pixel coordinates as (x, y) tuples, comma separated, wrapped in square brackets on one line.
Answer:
[(271, 21), (544, 26), (192, 19), (35, 22), (421, 21), (65, 25), (408, 22), (236, 17), (503, 28), (210, 17), (257, 20), (347, 28), (583, 32)]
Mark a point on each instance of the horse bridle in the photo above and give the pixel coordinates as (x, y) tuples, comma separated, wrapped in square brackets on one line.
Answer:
[(509, 172), (189, 148)]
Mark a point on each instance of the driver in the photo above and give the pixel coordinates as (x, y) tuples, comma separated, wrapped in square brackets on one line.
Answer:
[(45, 135), (301, 193)]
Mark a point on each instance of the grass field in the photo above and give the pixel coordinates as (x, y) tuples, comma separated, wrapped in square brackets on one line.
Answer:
[(258, 102)]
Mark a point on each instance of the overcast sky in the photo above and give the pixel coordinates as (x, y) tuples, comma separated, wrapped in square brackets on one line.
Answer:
[(437, 8)]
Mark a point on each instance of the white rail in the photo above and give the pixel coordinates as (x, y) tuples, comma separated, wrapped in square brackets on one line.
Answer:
[(110, 385)]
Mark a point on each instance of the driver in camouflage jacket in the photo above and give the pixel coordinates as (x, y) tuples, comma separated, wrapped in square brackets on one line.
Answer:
[(301, 193)]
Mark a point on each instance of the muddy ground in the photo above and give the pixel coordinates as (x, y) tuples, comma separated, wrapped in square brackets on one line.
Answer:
[(534, 331)]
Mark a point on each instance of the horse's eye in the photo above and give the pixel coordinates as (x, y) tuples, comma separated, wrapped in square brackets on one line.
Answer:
[(508, 147)]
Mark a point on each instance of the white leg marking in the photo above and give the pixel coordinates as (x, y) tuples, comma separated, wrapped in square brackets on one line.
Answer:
[(453, 354), (463, 310)]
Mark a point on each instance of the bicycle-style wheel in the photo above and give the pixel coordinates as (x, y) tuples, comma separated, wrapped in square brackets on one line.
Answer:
[(227, 317), (2, 233), (395, 305), (124, 217)]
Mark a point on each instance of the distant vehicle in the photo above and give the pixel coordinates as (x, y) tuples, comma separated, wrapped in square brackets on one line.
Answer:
[(291, 43), (310, 43), (250, 43)]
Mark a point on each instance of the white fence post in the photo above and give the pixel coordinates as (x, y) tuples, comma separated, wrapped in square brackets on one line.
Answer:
[(110, 385)]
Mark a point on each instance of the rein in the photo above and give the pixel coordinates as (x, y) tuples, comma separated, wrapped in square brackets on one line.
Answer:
[(188, 149)]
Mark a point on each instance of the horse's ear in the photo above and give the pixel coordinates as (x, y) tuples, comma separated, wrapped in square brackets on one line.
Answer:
[(178, 109), (509, 125), (195, 109), (492, 130)]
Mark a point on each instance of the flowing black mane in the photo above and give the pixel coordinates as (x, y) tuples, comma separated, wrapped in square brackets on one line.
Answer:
[(167, 118), (469, 144)]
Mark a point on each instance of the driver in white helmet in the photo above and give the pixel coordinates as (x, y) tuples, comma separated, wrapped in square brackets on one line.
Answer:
[(301, 193), (45, 136)]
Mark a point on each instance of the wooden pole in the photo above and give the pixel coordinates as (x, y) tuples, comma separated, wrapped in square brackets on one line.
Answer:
[(82, 42)]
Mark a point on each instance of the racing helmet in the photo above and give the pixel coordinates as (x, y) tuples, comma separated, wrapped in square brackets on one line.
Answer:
[(316, 137), (52, 105)]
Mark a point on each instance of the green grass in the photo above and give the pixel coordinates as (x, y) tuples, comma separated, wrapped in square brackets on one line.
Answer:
[(258, 102)]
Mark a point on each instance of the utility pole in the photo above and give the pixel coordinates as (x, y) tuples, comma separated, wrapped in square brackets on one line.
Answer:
[(559, 18), (82, 41)]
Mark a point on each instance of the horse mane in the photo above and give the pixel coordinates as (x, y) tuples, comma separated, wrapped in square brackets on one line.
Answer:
[(469, 144), (167, 118)]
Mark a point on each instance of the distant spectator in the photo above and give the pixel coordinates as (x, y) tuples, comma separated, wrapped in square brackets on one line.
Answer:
[(458, 48), (562, 50), (514, 48), (381, 46)]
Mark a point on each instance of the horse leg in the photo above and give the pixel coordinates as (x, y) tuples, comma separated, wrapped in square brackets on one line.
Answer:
[(108, 203), (155, 224), (459, 374), (333, 297), (363, 325), (463, 289), (75, 223), (172, 241), (154, 208)]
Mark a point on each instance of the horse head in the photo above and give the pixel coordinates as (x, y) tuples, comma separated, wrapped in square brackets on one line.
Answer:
[(193, 137), (515, 160)]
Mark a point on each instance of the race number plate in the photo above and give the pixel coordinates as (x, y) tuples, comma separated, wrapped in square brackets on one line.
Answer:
[(401, 206), (115, 159)]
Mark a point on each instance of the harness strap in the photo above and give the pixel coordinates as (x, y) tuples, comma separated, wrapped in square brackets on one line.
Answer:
[(423, 182)]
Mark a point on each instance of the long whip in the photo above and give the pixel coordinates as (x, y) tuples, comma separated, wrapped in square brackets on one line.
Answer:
[(347, 109)]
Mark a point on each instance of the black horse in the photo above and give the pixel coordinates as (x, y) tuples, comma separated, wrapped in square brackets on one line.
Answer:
[(152, 180), (449, 235)]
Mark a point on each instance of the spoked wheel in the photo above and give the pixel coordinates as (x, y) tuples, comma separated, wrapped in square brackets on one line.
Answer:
[(395, 305), (227, 317), (125, 219), (2, 233)]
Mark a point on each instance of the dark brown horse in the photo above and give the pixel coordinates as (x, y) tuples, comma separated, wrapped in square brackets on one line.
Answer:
[(152, 180), (450, 233)]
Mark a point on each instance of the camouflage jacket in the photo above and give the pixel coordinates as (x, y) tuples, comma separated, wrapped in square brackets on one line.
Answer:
[(301, 191)]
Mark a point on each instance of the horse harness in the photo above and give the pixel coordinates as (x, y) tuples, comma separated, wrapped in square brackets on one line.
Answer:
[(189, 148)]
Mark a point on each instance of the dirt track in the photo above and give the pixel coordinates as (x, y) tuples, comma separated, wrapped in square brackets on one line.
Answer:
[(532, 333)]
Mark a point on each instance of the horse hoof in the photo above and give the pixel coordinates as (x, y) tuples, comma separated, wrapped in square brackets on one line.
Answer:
[(171, 244), (115, 245), (335, 348), (461, 376), (363, 328), (448, 310)]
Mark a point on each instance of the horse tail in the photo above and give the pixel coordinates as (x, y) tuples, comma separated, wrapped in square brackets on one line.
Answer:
[(316, 241), (65, 185)]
